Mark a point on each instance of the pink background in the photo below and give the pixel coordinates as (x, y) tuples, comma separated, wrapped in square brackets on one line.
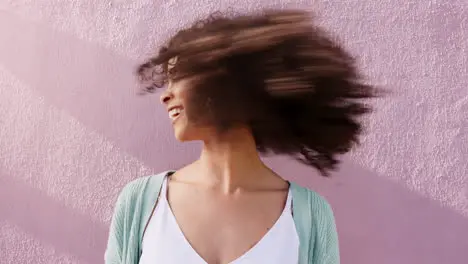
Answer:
[(73, 132)]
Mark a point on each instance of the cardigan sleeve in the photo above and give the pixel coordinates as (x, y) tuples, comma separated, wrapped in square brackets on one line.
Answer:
[(326, 250), (120, 244), (113, 253)]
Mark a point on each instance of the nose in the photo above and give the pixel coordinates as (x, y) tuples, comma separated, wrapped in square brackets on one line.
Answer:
[(166, 96)]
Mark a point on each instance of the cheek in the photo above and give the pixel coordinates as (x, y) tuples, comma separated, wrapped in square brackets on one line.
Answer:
[(198, 107), (185, 97)]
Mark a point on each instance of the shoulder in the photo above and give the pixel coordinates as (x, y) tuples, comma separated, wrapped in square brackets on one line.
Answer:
[(318, 205), (317, 220), (135, 188)]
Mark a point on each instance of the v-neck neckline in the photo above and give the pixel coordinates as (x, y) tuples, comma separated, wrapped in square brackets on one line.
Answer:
[(248, 252)]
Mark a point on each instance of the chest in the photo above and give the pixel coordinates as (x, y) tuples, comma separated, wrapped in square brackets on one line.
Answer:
[(223, 229), (213, 229)]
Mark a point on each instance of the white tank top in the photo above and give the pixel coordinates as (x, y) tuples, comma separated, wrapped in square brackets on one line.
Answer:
[(165, 243)]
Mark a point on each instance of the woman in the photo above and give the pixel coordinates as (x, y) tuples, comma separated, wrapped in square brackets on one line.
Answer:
[(259, 83)]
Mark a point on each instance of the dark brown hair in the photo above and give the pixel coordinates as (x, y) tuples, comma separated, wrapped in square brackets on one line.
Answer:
[(297, 89)]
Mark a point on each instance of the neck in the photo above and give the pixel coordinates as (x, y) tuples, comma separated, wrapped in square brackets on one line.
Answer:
[(231, 161)]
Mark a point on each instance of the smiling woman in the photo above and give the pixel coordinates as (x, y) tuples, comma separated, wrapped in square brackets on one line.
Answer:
[(271, 82)]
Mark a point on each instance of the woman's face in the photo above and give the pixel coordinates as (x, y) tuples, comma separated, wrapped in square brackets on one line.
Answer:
[(174, 98)]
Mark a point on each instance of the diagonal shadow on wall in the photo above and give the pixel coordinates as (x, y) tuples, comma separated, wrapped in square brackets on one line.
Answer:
[(381, 221), (94, 84), (66, 230), (397, 225)]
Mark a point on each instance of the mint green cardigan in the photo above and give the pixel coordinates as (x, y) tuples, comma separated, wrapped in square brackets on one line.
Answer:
[(312, 215)]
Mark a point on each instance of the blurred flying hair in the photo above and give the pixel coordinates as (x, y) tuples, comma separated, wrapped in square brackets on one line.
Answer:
[(296, 88)]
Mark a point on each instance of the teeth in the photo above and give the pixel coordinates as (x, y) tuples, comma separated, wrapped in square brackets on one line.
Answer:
[(174, 112)]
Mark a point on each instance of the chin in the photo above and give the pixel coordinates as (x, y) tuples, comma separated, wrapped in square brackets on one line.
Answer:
[(187, 131), (181, 137), (183, 134)]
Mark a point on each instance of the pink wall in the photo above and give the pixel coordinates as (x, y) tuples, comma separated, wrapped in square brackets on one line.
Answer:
[(73, 132)]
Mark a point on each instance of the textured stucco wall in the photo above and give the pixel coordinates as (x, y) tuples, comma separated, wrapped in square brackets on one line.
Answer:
[(73, 132)]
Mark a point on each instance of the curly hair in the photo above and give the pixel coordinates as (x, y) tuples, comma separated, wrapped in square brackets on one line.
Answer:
[(297, 89)]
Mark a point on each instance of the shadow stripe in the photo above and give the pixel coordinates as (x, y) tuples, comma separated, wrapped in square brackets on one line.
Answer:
[(68, 231)]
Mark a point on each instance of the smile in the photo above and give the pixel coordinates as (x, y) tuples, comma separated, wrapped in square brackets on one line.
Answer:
[(175, 112)]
